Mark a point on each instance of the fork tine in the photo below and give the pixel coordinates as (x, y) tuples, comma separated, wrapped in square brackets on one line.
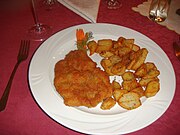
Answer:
[(27, 47), (24, 49), (21, 48)]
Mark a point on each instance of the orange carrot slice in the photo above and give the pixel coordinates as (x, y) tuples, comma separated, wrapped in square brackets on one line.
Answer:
[(80, 34)]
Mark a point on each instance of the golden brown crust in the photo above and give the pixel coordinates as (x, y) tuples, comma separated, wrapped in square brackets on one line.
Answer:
[(108, 103), (129, 101), (152, 88), (79, 82), (117, 93)]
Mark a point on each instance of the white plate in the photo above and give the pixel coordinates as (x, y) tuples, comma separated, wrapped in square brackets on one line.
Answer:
[(97, 121)]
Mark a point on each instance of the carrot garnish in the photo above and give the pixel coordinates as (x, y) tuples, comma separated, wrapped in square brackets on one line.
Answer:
[(80, 34), (82, 38)]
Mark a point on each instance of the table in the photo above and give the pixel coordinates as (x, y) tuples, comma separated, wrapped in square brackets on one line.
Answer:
[(22, 114)]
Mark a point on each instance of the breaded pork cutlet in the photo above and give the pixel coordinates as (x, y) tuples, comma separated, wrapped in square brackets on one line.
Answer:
[(80, 82)]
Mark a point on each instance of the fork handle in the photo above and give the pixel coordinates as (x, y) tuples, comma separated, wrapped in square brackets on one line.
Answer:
[(5, 95)]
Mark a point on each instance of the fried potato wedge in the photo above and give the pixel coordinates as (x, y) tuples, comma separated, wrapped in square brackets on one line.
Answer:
[(128, 76), (121, 40), (129, 101), (140, 58), (106, 54), (129, 85), (129, 41), (150, 66), (92, 46), (135, 48), (115, 59), (116, 44), (105, 42), (141, 71), (138, 90), (108, 103), (118, 69), (122, 51), (117, 93), (116, 85), (144, 82), (152, 88), (129, 66), (104, 45), (151, 74), (107, 65)]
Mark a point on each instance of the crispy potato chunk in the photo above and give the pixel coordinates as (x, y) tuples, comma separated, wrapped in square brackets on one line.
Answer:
[(135, 48), (92, 46), (128, 76), (128, 43), (129, 85), (147, 71), (129, 66), (117, 93), (140, 57), (118, 69), (115, 59), (150, 66), (116, 85), (121, 40), (108, 103), (152, 74), (144, 82), (105, 42), (104, 45), (110, 66), (122, 51), (116, 44), (107, 65), (141, 71), (106, 54), (152, 88), (138, 90), (129, 101)]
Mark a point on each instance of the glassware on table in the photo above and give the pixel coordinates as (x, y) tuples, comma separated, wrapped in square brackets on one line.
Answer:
[(113, 4), (39, 31), (158, 11)]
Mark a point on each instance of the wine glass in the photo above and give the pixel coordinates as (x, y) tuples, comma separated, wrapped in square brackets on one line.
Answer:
[(113, 4), (39, 31), (158, 11)]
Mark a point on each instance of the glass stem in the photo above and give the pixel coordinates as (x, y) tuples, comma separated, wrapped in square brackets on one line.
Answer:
[(35, 16)]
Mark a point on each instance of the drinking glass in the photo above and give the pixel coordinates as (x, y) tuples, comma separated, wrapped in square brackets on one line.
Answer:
[(39, 31), (158, 11), (114, 4)]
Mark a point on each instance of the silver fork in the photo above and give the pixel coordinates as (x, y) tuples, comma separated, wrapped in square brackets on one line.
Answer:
[(22, 55)]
